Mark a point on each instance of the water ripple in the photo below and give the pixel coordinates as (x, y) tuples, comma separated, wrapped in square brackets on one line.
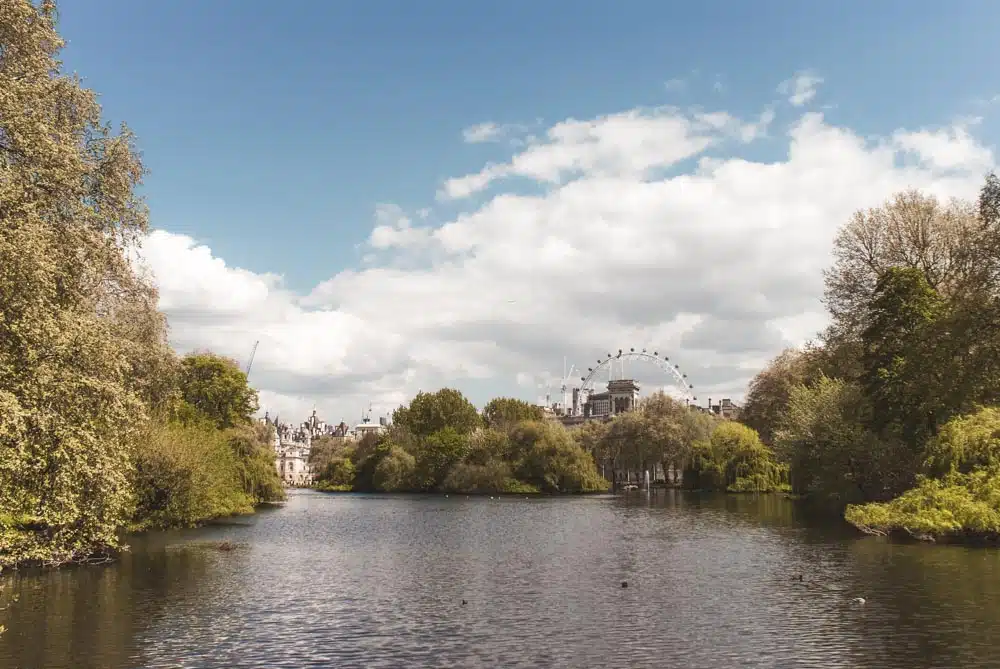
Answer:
[(379, 581)]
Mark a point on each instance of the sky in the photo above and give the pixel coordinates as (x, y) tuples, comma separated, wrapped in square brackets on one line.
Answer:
[(394, 196)]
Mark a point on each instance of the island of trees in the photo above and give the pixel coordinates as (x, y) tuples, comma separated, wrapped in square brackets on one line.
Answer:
[(103, 428), (441, 443)]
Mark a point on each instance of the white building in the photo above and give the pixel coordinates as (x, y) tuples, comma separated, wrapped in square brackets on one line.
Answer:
[(293, 445)]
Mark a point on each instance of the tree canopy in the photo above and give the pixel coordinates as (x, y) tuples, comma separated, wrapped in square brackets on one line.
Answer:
[(217, 388), (895, 402), (87, 379)]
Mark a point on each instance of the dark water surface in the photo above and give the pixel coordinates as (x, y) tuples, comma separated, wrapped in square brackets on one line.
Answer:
[(378, 581)]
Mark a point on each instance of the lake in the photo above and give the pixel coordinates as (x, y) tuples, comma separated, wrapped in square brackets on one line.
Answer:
[(379, 581)]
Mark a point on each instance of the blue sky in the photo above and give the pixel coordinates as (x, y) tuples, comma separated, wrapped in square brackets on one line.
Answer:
[(272, 129)]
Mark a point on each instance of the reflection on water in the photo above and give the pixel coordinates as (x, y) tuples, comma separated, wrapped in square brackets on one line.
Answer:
[(378, 581)]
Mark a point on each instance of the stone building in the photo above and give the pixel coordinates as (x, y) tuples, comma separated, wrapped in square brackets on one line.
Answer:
[(293, 444), (621, 396)]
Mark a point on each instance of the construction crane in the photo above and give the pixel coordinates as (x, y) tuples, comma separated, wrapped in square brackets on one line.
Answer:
[(253, 352), (564, 387)]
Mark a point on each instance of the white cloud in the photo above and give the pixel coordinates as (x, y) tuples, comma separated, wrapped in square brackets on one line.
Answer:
[(493, 132), (718, 265), (675, 84), (801, 88), (628, 145)]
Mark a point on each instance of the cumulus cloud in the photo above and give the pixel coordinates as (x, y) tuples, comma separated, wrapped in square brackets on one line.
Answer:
[(801, 88), (643, 228)]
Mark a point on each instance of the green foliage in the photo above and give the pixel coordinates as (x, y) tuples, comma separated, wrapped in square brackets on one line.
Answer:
[(431, 412), (255, 463), (477, 479), (488, 445), (662, 431), (83, 355), (338, 473), (217, 388), (770, 390), (186, 475), (523, 457), (439, 452), (953, 507), (396, 471), (734, 459), (503, 413), (905, 367), (965, 444), (902, 309), (548, 458), (833, 457)]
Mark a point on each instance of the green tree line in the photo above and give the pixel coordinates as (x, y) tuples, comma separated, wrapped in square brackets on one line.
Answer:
[(441, 443), (102, 427), (707, 452), (892, 413)]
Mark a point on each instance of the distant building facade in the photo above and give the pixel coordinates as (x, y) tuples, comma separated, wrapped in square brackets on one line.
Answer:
[(293, 444)]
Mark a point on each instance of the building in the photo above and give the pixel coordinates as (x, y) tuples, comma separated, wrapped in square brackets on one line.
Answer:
[(292, 446), (621, 396), (725, 409)]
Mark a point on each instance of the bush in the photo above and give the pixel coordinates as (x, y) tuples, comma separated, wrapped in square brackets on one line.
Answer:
[(186, 475), (255, 463)]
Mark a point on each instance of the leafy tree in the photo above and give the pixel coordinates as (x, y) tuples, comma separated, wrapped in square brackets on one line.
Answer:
[(503, 413), (767, 396), (486, 446), (217, 388), (590, 436), (338, 474), (965, 444), (734, 459), (81, 343), (833, 456), (396, 471), (432, 412), (902, 307), (440, 452), (552, 461), (469, 478), (666, 430), (912, 231)]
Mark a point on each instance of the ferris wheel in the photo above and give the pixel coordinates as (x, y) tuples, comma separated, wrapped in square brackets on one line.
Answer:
[(677, 384)]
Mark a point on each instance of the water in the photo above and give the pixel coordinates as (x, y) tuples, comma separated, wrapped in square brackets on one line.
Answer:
[(378, 581)]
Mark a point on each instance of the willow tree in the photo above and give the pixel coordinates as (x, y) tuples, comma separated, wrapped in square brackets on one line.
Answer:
[(82, 348)]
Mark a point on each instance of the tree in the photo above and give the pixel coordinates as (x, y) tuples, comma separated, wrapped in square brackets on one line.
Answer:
[(902, 307), (767, 396), (217, 388), (503, 413), (912, 230), (834, 458), (733, 459), (81, 342), (664, 430), (552, 461), (440, 452), (431, 412)]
